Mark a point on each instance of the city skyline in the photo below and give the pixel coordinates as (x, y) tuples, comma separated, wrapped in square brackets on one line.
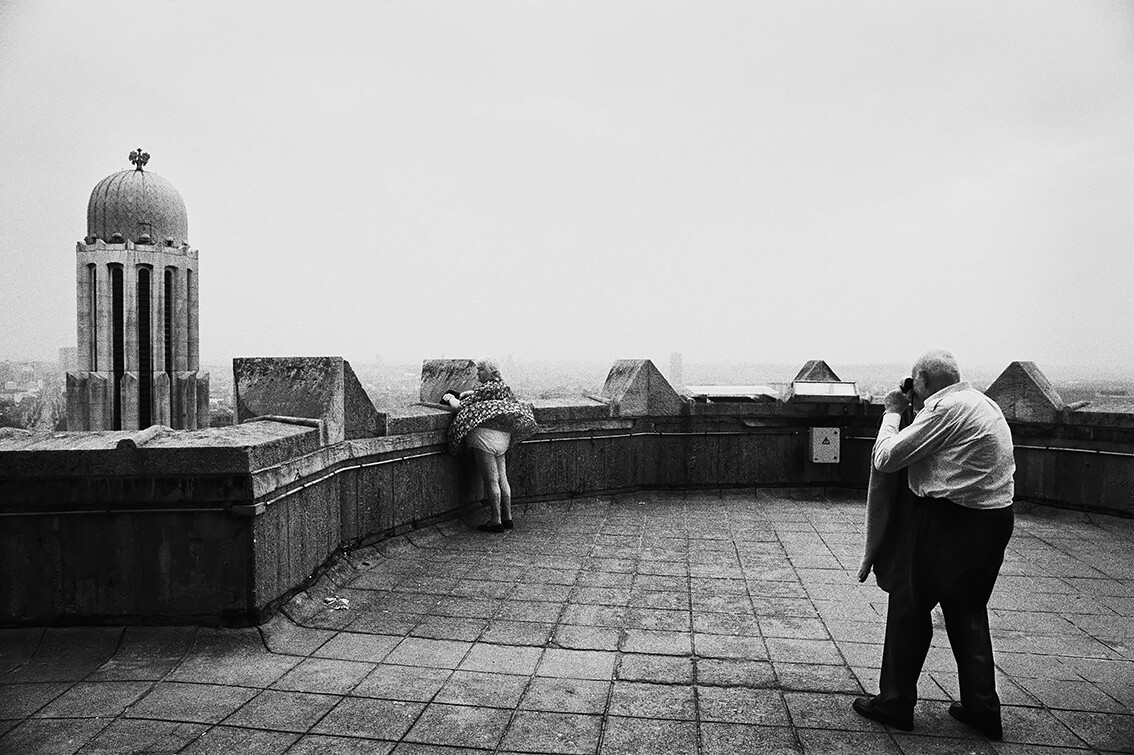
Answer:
[(750, 183)]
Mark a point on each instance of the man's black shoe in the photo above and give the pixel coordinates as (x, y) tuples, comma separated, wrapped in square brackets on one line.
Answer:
[(990, 729), (865, 707)]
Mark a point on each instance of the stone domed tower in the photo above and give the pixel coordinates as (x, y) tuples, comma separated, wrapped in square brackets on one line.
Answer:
[(137, 302)]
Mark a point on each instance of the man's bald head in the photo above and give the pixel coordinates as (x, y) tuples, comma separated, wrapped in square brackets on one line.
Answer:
[(938, 369)]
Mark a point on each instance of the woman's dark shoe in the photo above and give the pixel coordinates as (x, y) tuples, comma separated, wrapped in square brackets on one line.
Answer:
[(486, 527), (867, 708), (990, 729), (508, 524)]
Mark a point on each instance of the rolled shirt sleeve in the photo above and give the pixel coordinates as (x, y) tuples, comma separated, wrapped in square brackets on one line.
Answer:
[(895, 449)]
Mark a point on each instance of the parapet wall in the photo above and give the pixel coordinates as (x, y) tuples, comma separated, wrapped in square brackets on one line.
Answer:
[(219, 526)]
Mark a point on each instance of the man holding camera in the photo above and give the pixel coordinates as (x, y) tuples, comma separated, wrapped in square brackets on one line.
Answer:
[(958, 452)]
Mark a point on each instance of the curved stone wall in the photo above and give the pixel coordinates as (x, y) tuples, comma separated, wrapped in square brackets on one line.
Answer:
[(220, 526)]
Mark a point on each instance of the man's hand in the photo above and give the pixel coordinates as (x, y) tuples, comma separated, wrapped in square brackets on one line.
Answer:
[(896, 401)]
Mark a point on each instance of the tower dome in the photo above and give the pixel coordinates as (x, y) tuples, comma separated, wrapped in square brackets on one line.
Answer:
[(136, 205)]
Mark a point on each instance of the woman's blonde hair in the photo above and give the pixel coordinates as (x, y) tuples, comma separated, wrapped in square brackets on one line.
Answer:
[(489, 365)]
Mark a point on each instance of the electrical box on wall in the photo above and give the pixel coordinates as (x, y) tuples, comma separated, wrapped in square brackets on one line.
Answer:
[(825, 445)]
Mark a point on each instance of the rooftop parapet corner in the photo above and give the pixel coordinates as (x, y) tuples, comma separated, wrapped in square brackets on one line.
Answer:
[(317, 388), (1025, 394), (636, 388), (816, 370)]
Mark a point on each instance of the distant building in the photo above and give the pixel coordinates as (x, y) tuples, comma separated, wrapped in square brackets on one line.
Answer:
[(137, 310)]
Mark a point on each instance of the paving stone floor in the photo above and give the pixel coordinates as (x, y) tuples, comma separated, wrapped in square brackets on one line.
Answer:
[(650, 623)]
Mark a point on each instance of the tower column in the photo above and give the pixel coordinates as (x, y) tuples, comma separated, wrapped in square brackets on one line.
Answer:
[(130, 320), (84, 316), (103, 318), (193, 357), (157, 317)]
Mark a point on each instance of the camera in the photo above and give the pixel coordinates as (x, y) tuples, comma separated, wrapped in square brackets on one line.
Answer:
[(906, 386)]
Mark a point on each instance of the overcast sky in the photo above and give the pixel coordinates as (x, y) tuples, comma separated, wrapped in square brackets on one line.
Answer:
[(744, 181)]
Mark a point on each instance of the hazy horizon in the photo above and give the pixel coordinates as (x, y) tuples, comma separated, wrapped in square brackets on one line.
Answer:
[(739, 182)]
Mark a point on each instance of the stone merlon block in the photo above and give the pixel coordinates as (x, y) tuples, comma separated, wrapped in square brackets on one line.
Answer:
[(816, 370), (636, 388), (322, 388), (1025, 394), (441, 375)]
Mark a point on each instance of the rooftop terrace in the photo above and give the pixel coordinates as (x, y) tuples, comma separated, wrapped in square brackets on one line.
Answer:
[(681, 579), (681, 622)]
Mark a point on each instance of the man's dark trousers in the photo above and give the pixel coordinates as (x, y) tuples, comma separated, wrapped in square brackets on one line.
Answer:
[(954, 556)]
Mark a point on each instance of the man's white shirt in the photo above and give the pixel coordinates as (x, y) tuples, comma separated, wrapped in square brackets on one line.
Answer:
[(959, 447)]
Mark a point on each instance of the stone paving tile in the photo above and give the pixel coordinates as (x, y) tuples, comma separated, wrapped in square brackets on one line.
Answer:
[(807, 677), (351, 646), (17, 644), (370, 718), (322, 744), (727, 646), (281, 635), (793, 650), (237, 669), (501, 632), (649, 700), (913, 744), (730, 739), (577, 664), (742, 705), (577, 637), (648, 736), (828, 742), (195, 703), (67, 654), (1104, 731), (446, 628), (594, 616), (19, 701), (283, 711), (825, 711), (94, 700), (146, 654), (223, 740), (460, 725), (419, 651), (735, 673), (566, 695), (387, 623), (546, 732), (483, 689), (503, 659), (51, 736), (408, 683), (143, 736), (636, 640), (743, 624), (665, 669), (325, 675)]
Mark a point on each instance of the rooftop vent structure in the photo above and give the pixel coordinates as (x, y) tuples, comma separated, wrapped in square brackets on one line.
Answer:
[(824, 391)]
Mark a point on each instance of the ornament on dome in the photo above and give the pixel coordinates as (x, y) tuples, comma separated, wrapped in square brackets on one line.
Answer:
[(139, 158)]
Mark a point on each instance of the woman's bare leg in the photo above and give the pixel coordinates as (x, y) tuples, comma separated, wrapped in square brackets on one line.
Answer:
[(489, 473), (505, 489)]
